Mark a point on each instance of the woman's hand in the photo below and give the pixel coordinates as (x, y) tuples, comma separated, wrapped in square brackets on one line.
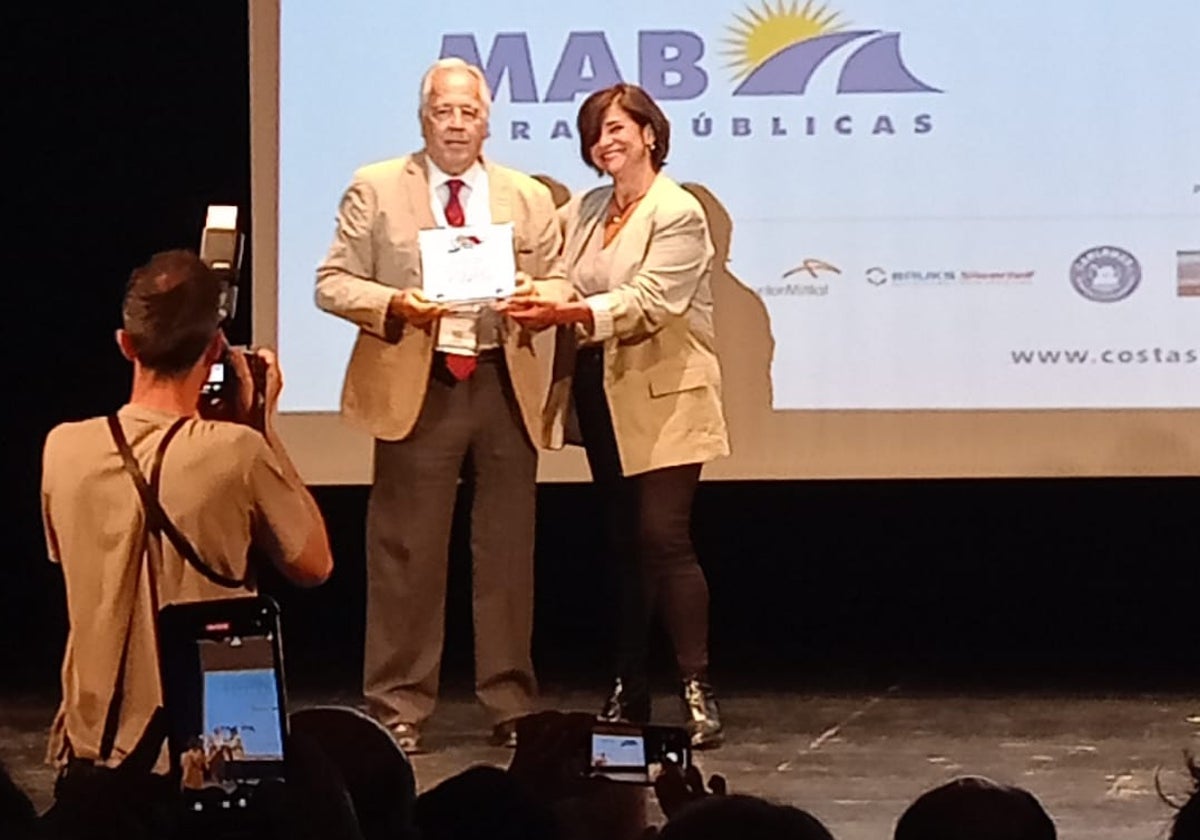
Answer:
[(537, 314)]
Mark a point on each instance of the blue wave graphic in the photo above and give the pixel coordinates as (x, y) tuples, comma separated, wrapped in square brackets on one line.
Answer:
[(875, 67)]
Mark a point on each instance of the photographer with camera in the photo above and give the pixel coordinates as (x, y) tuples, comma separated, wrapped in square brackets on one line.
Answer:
[(222, 485)]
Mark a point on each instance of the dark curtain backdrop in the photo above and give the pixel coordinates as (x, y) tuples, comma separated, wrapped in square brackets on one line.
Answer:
[(123, 125)]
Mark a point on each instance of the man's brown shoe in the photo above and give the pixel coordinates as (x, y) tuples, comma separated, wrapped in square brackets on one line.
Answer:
[(504, 735), (408, 738)]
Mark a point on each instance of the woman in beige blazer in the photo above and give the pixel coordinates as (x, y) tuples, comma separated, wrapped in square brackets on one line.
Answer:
[(646, 386)]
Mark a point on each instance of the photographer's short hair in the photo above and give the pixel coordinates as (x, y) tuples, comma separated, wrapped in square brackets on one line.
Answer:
[(171, 311)]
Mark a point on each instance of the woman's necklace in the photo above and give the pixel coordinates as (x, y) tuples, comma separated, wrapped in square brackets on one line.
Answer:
[(618, 213)]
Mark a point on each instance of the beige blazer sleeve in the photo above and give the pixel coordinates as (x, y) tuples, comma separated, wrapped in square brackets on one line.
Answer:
[(662, 379), (677, 257), (344, 280)]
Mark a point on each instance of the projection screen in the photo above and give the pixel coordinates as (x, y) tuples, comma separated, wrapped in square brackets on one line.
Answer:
[(953, 239)]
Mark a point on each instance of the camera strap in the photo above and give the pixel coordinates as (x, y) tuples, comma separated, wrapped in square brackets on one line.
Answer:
[(142, 757), (157, 520), (145, 753)]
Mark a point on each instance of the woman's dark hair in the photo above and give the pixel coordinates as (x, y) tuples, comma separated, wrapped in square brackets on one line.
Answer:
[(642, 110)]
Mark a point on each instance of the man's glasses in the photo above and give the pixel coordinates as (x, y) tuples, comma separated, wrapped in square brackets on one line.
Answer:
[(444, 114)]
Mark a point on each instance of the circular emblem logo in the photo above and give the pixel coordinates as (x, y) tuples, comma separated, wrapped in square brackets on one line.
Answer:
[(876, 276), (1105, 274)]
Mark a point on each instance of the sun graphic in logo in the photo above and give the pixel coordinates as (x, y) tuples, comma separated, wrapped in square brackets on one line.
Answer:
[(761, 33)]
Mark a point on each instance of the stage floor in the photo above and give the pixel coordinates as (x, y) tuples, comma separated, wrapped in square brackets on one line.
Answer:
[(855, 760)]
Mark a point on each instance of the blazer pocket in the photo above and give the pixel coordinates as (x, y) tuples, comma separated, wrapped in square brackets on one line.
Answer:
[(673, 380)]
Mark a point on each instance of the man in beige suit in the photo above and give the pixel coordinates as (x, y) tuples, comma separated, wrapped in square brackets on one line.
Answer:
[(442, 392)]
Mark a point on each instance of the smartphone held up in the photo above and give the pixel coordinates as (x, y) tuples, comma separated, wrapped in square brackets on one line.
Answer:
[(636, 753), (223, 692)]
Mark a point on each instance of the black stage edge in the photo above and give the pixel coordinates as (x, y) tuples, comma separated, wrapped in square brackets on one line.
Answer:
[(855, 759)]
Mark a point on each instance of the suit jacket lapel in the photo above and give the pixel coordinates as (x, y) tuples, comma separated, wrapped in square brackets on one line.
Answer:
[(631, 242), (415, 185), (500, 195), (591, 212)]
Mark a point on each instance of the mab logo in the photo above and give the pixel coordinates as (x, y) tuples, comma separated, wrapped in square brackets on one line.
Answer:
[(771, 51), (777, 51)]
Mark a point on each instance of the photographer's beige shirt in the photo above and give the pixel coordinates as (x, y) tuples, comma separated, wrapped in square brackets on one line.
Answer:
[(221, 486)]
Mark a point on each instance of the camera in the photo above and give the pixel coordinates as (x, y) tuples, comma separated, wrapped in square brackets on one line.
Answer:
[(221, 395), (635, 753), (221, 245)]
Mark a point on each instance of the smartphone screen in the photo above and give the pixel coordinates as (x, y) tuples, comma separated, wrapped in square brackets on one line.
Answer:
[(224, 698), (240, 705), (620, 757), (216, 379), (635, 754)]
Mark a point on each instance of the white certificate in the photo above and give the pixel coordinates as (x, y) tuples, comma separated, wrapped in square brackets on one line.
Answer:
[(468, 263)]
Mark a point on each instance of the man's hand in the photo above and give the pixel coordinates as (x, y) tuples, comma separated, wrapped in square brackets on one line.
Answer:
[(676, 788), (412, 307), (245, 384), (552, 760), (537, 314), (525, 287), (552, 753), (244, 410), (274, 381)]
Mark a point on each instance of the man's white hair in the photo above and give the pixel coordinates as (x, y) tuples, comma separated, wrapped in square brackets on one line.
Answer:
[(446, 64)]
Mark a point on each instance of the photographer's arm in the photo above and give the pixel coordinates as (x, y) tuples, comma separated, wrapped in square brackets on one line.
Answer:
[(278, 487), (314, 564)]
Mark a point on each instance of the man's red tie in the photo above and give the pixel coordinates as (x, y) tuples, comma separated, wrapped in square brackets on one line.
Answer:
[(454, 209), (460, 367)]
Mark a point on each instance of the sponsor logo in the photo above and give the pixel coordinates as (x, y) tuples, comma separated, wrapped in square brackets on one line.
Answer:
[(812, 268), (773, 50), (996, 278), (1105, 274), (912, 278), (776, 51), (793, 290), (1188, 273)]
